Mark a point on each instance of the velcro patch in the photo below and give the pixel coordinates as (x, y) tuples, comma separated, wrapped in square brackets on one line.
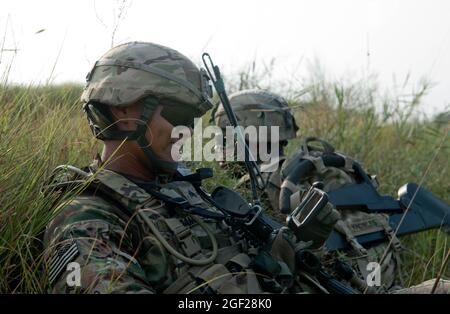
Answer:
[(61, 258)]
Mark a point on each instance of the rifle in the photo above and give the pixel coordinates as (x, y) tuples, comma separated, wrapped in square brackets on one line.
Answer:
[(256, 180), (249, 218), (423, 209), (416, 209)]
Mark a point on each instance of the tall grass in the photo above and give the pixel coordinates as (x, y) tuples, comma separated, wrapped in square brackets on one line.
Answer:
[(42, 127), (396, 145)]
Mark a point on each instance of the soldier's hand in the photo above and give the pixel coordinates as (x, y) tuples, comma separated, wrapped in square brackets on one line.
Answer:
[(320, 227)]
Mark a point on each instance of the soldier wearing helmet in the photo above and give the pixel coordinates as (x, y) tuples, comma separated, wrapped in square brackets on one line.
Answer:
[(134, 221), (261, 108), (166, 84)]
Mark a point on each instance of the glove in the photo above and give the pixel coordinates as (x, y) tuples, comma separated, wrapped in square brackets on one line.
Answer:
[(320, 227)]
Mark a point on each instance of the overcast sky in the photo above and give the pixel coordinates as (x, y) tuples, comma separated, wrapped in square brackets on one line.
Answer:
[(349, 38)]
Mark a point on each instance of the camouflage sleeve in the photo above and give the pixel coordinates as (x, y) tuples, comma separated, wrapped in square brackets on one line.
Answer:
[(89, 250)]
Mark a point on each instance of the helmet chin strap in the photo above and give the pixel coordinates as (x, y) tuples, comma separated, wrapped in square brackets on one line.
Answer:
[(149, 104)]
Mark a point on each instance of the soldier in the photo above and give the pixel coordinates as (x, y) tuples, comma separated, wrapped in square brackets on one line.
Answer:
[(263, 108), (353, 222), (136, 223)]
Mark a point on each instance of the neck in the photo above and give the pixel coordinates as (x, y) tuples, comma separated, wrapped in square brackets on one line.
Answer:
[(119, 158)]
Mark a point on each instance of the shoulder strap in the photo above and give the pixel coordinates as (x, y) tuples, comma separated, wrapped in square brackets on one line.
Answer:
[(120, 188), (122, 194), (326, 147)]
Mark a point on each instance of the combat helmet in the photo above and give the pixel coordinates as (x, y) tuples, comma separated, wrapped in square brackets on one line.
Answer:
[(259, 108), (148, 73)]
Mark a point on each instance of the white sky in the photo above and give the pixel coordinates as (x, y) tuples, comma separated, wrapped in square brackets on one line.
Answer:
[(401, 36)]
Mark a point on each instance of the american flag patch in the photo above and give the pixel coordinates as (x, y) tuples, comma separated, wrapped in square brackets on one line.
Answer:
[(61, 257)]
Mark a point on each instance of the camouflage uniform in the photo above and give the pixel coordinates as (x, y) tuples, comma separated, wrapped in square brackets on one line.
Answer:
[(119, 253), (143, 237), (262, 108), (129, 236), (352, 222)]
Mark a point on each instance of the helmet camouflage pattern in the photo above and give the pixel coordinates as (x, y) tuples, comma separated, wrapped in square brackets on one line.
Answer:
[(150, 74), (259, 108), (132, 71)]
